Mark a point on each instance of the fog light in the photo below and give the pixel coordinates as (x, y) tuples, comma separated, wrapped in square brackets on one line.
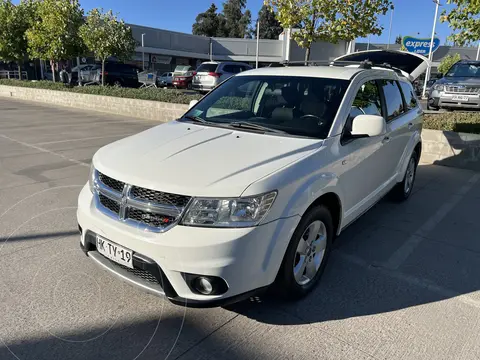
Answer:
[(203, 286)]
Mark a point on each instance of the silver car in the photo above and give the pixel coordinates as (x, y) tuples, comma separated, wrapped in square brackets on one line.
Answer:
[(210, 74), (459, 88)]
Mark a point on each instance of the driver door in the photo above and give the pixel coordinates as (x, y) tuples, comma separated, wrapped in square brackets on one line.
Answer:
[(362, 159)]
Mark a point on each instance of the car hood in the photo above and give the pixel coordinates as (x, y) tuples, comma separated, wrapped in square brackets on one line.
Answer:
[(195, 160), (464, 80)]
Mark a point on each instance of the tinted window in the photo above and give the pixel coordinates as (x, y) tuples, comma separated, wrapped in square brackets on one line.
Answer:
[(233, 69), (296, 105), (393, 98), (207, 68), (409, 95)]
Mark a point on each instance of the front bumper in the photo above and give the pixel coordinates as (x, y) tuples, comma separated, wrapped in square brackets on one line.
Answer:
[(446, 100), (247, 259)]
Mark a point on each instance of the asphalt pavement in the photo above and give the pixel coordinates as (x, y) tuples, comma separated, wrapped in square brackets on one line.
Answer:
[(402, 283)]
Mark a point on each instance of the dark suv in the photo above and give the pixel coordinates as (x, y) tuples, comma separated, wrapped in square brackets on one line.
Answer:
[(121, 74)]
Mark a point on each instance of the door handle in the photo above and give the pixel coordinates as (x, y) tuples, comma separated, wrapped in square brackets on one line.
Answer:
[(386, 139), (410, 125)]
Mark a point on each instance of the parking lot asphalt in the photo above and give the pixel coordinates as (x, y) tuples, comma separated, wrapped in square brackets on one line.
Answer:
[(402, 283)]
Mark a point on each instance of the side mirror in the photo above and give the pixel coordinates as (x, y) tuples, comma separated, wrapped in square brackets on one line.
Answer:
[(368, 126), (192, 103)]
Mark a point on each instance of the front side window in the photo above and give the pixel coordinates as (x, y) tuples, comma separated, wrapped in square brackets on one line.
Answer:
[(366, 102), (300, 106), (393, 98), (409, 95)]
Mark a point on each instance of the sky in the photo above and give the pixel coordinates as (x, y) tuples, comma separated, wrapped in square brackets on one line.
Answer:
[(411, 17)]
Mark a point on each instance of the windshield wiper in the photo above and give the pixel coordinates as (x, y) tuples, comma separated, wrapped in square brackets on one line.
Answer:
[(196, 119), (253, 126)]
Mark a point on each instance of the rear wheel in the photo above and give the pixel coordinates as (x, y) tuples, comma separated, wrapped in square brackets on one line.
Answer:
[(403, 190), (306, 255)]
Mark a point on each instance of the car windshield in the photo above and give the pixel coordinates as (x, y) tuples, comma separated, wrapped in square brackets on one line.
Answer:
[(464, 70), (302, 106)]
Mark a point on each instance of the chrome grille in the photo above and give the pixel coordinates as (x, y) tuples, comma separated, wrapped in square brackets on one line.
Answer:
[(111, 183), (110, 204), (462, 89), (143, 208), (159, 197)]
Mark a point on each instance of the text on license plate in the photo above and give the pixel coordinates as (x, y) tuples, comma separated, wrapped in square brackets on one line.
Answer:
[(114, 252), (460, 98)]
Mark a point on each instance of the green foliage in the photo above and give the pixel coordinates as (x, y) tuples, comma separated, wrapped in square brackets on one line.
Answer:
[(207, 23), (464, 19), (54, 33), (270, 27), (398, 39), (105, 36), (330, 20), (447, 62), (467, 122), (14, 22), (164, 95)]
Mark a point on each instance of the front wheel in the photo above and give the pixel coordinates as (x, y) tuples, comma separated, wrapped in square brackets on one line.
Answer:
[(306, 255)]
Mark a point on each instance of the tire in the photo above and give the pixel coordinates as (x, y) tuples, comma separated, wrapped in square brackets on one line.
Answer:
[(189, 86), (403, 190), (292, 282)]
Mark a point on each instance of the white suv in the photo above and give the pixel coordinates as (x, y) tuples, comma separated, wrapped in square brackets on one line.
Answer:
[(251, 186)]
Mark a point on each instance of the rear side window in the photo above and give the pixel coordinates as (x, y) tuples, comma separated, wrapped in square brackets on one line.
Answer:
[(393, 98), (233, 69), (409, 95), (207, 68)]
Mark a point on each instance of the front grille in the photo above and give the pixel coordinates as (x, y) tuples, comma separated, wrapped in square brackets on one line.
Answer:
[(111, 183), (151, 219), (159, 197), (155, 210), (462, 89), (144, 274), (110, 204)]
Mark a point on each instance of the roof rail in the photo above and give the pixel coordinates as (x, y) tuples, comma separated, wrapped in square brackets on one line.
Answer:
[(365, 64)]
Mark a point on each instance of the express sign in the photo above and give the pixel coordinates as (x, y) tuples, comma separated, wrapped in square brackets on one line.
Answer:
[(420, 46)]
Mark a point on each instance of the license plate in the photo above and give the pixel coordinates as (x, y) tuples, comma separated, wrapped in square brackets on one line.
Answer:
[(114, 252), (460, 98)]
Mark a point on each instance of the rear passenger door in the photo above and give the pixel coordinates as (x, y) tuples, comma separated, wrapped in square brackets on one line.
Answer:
[(400, 118)]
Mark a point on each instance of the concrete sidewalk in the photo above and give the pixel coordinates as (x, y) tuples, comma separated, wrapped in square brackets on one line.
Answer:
[(402, 282)]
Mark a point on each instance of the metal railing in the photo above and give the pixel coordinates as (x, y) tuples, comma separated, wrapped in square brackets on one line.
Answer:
[(7, 74)]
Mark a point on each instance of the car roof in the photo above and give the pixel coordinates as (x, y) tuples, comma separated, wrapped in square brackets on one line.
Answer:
[(345, 73)]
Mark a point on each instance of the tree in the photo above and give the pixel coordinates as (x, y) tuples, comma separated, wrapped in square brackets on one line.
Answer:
[(106, 36), (464, 18), (54, 36), (234, 22), (270, 27), (447, 62), (14, 22), (330, 20), (207, 23), (398, 39)]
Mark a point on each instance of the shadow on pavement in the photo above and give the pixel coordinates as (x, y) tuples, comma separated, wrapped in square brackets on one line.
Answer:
[(465, 145)]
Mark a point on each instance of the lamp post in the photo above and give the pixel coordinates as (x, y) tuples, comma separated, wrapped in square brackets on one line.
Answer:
[(143, 52), (390, 29), (258, 39), (478, 51), (430, 54), (368, 42)]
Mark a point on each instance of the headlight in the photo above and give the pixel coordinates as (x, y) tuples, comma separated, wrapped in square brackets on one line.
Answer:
[(237, 212), (439, 87), (91, 178)]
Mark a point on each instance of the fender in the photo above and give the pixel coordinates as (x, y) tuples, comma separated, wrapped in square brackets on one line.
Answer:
[(407, 153)]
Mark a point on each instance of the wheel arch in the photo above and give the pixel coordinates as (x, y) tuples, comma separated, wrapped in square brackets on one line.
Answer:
[(332, 201)]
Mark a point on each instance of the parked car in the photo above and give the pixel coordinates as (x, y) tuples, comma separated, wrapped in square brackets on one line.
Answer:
[(183, 76), (124, 75), (458, 89), (249, 188), (165, 79), (210, 74), (74, 73)]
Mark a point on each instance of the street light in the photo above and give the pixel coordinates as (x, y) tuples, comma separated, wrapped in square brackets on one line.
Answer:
[(143, 52), (478, 51), (258, 39), (430, 54)]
